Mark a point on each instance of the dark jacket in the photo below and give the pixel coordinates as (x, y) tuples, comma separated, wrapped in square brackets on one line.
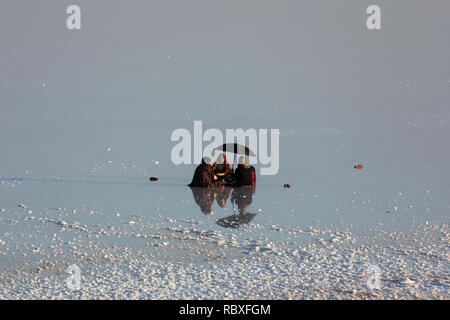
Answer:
[(245, 176), (203, 176)]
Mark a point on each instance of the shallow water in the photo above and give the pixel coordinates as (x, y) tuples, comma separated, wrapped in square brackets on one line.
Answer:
[(130, 204)]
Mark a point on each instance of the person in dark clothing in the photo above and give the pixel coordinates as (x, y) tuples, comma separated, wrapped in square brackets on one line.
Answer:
[(223, 171), (203, 175), (221, 167), (204, 198), (243, 198), (244, 174)]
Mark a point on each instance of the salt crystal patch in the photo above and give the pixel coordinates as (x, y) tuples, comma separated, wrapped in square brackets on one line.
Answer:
[(406, 281)]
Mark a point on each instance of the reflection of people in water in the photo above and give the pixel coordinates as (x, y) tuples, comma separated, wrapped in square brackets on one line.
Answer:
[(222, 194), (242, 197), (204, 198)]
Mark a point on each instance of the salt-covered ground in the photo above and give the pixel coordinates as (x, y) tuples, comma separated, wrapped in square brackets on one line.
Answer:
[(185, 262), (86, 118)]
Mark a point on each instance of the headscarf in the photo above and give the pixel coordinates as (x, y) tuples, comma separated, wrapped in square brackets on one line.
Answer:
[(203, 175), (243, 162), (206, 160)]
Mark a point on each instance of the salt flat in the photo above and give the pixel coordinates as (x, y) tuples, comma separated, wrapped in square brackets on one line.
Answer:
[(86, 118), (170, 250)]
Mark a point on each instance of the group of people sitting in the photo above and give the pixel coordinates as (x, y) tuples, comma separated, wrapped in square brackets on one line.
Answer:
[(221, 174)]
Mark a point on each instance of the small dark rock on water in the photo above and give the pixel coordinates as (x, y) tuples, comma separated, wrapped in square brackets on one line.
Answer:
[(153, 179)]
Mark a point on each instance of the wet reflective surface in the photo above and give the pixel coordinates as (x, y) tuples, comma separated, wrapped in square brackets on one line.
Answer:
[(240, 199), (114, 202)]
